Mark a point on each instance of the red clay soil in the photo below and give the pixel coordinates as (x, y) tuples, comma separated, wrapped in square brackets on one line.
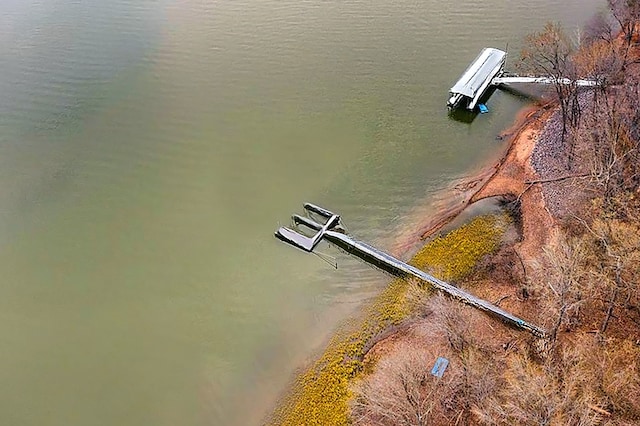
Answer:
[(515, 177), (511, 177), (448, 203), (500, 275)]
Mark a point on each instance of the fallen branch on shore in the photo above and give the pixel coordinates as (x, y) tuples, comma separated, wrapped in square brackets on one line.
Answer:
[(556, 179)]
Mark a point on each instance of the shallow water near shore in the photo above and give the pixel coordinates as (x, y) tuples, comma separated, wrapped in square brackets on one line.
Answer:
[(148, 151)]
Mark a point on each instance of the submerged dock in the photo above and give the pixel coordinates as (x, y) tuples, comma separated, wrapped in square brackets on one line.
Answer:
[(330, 231)]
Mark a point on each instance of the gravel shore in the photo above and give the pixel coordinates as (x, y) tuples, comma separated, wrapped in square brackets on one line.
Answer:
[(550, 160)]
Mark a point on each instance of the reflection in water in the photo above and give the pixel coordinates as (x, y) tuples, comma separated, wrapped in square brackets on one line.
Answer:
[(527, 93), (463, 115)]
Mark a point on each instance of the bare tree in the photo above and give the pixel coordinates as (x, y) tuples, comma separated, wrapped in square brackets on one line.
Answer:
[(453, 321), (548, 53), (402, 392), (614, 260), (599, 28), (557, 284), (599, 60), (627, 14), (590, 383), (612, 133)]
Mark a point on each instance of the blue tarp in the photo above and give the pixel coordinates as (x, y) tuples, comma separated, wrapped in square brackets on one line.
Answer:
[(439, 367)]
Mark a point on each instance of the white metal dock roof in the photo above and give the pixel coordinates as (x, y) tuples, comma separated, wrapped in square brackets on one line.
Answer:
[(480, 73)]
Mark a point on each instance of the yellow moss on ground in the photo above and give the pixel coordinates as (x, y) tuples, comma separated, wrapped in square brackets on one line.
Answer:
[(453, 256), (320, 396)]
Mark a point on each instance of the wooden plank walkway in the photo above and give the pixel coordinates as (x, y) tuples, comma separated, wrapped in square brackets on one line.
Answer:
[(386, 262), (396, 267)]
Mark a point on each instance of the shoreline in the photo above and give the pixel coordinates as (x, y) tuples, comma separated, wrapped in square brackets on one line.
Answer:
[(499, 177), (510, 177), (389, 317), (322, 392), (457, 332)]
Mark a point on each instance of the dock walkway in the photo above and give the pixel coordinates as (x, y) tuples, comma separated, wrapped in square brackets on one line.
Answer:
[(542, 80), (387, 262)]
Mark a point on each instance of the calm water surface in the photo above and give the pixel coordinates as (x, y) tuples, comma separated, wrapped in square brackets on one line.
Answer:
[(148, 149)]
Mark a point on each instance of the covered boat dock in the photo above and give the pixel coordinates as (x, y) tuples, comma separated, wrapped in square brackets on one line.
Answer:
[(477, 78), (488, 70)]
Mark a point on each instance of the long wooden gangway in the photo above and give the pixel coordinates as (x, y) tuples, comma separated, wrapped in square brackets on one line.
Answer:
[(332, 231)]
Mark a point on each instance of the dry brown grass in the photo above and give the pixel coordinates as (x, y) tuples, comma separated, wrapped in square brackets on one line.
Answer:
[(586, 373), (590, 382), (401, 391)]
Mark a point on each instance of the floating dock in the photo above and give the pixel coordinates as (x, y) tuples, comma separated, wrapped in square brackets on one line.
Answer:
[(477, 78), (486, 71), (332, 231)]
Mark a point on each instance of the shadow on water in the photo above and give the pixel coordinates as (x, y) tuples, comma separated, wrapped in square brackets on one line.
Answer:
[(519, 93), (464, 115)]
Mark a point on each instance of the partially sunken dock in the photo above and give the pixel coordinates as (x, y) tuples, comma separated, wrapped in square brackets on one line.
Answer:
[(331, 230)]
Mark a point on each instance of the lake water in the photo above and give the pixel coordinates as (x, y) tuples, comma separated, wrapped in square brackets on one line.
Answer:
[(149, 149)]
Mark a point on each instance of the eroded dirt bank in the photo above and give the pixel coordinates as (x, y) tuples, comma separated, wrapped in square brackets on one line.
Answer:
[(511, 177), (423, 339)]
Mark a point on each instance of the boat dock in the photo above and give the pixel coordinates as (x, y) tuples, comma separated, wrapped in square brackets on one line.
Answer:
[(486, 71), (477, 78), (332, 231)]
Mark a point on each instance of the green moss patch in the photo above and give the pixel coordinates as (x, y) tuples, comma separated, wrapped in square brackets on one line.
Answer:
[(453, 256)]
